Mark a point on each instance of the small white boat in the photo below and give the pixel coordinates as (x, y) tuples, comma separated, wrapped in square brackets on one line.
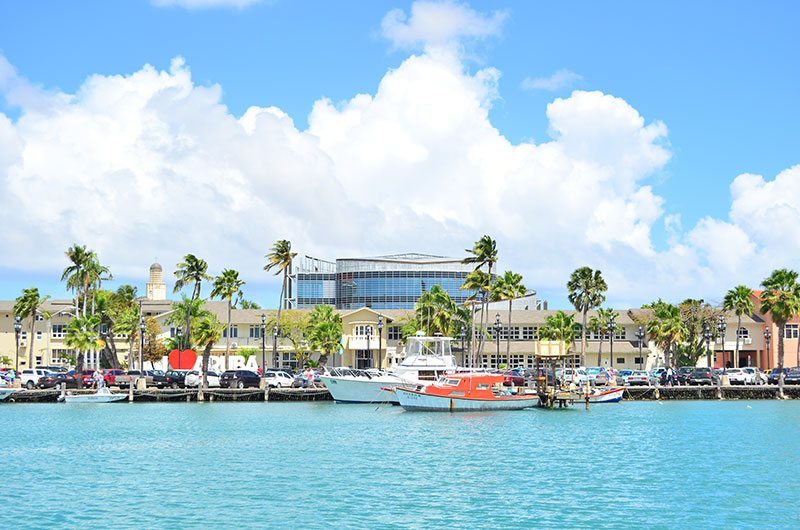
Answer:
[(606, 395), (103, 395)]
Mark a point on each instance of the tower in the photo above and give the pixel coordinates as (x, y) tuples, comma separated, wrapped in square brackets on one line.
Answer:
[(156, 288)]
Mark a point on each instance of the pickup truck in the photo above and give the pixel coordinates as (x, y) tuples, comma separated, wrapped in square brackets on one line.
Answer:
[(151, 377)]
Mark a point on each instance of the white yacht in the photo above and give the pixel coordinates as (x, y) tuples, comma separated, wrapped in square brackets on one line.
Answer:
[(427, 358)]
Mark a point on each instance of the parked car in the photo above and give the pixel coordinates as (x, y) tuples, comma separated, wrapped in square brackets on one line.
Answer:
[(636, 377), (87, 378), (621, 374), (737, 376), (773, 375), (792, 377), (597, 375), (513, 378), (702, 376), (176, 378), (757, 375), (195, 379), (30, 378), (682, 373), (110, 376), (54, 368), (239, 379), (288, 369), (278, 379), (57, 380), (655, 374)]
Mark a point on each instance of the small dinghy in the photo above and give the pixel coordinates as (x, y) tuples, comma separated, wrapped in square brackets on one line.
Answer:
[(103, 395), (607, 395)]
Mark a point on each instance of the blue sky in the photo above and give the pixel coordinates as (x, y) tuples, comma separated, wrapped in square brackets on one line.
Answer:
[(722, 77)]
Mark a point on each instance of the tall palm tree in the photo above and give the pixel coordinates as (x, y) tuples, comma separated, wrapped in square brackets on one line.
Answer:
[(81, 336), (666, 327), (280, 258), (781, 300), (560, 327), (508, 287), (75, 275), (187, 310), (738, 300), (587, 290), (483, 254), (228, 286), (600, 324), (479, 282), (29, 305), (206, 333), (94, 275), (435, 310), (191, 271)]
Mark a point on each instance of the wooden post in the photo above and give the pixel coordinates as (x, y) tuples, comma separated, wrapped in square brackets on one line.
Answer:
[(130, 391), (200, 395), (266, 393)]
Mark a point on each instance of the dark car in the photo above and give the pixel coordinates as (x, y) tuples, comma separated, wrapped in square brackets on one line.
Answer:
[(57, 380), (239, 379), (513, 378), (773, 375), (792, 377), (702, 376), (176, 378), (683, 373)]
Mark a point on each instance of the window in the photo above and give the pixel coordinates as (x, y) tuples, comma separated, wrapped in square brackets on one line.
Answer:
[(530, 333), (620, 360), (38, 335), (619, 334), (103, 328), (361, 330), (58, 331), (38, 360), (393, 333), (743, 333), (255, 332), (790, 331), (234, 332), (638, 360), (39, 318)]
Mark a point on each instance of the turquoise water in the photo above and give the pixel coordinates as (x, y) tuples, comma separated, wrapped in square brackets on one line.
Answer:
[(314, 465)]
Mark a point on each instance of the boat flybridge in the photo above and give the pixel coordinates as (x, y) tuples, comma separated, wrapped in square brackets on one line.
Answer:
[(426, 359)]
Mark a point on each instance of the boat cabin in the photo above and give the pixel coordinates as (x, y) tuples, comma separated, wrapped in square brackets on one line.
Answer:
[(470, 385)]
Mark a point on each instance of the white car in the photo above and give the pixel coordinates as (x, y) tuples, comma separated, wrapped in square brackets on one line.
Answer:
[(279, 379), (636, 377), (195, 378), (757, 377), (30, 378), (580, 376), (737, 376)]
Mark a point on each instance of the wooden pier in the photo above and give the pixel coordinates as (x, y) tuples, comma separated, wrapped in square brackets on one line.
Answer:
[(184, 395)]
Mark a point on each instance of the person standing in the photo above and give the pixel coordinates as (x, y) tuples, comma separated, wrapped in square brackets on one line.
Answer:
[(98, 379), (670, 376)]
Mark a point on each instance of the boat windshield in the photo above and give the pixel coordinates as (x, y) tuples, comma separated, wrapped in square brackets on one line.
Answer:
[(438, 347), (352, 372)]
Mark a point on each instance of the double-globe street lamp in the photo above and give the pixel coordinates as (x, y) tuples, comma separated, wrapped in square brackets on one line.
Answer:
[(368, 332), (721, 328), (497, 327), (708, 335), (142, 329), (263, 345), (640, 336), (17, 331), (612, 326), (380, 342), (767, 337)]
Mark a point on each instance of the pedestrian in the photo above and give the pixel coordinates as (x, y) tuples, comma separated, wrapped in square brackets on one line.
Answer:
[(310, 377), (98, 379), (670, 376)]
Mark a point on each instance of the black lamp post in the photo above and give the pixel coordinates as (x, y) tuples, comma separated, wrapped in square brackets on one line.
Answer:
[(707, 335), (368, 331), (463, 353), (497, 328), (612, 325), (142, 329), (767, 336), (181, 345), (275, 345), (263, 345), (721, 328), (640, 336), (17, 331), (380, 342)]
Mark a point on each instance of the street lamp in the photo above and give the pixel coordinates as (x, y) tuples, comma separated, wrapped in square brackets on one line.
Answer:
[(612, 325), (141, 344), (17, 331), (275, 345), (380, 342), (463, 353), (640, 336), (263, 345), (497, 327), (767, 336), (707, 335), (721, 328), (179, 335), (369, 351)]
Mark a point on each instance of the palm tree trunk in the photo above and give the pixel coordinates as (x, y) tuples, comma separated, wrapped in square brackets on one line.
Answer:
[(781, 327), (583, 339), (278, 316), (600, 352), (228, 336), (206, 357), (736, 355), (508, 336), (30, 342)]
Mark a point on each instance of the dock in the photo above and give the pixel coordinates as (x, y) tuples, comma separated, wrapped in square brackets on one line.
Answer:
[(184, 395)]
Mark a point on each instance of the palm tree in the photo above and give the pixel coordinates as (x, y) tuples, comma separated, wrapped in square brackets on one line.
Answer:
[(191, 271), (81, 336), (325, 331), (508, 287), (666, 327), (228, 286), (206, 333), (781, 299), (560, 327), (739, 300), (435, 310), (600, 324), (280, 258), (483, 254), (187, 310), (75, 275), (29, 305), (587, 290)]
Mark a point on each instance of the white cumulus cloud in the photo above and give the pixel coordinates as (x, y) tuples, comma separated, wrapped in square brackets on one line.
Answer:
[(561, 79)]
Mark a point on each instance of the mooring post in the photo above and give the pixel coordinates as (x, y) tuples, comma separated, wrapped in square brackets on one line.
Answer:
[(266, 393), (130, 391), (200, 395)]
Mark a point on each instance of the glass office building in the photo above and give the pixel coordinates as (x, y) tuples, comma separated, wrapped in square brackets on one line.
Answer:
[(382, 282)]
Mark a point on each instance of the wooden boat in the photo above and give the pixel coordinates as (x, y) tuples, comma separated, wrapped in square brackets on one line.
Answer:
[(464, 392), (103, 395), (606, 395)]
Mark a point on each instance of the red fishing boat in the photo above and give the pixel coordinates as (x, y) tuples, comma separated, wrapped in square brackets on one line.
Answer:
[(464, 392)]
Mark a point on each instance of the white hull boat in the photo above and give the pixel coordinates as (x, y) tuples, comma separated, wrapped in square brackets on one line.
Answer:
[(608, 395), (411, 400), (103, 395), (6, 392), (362, 388)]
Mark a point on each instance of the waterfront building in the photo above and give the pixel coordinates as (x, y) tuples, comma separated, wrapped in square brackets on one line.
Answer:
[(381, 282)]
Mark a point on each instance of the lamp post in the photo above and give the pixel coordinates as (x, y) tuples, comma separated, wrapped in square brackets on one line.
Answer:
[(640, 336), (368, 331), (17, 331), (721, 328), (497, 327), (179, 335), (463, 353), (707, 335), (263, 345), (275, 345), (142, 329), (612, 325), (380, 342), (767, 336)]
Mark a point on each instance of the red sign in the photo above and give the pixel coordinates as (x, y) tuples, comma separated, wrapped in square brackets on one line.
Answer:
[(182, 360)]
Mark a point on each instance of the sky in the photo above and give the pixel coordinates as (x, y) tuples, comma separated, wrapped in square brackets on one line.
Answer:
[(656, 141)]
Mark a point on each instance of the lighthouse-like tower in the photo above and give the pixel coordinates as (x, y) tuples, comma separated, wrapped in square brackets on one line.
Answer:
[(156, 288)]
